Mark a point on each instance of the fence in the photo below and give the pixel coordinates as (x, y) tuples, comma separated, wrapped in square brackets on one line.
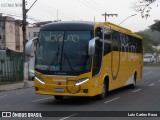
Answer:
[(11, 66)]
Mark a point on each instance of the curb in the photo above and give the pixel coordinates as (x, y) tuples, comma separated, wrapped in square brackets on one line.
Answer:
[(15, 86)]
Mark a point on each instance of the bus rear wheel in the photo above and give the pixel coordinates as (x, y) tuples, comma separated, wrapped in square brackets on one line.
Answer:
[(133, 85)]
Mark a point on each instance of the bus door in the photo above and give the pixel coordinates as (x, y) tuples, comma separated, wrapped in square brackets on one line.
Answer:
[(97, 61)]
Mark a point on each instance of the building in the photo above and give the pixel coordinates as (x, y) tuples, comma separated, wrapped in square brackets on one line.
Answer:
[(34, 30), (11, 36), (152, 57)]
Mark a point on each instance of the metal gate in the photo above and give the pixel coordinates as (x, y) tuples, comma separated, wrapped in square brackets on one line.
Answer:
[(11, 66)]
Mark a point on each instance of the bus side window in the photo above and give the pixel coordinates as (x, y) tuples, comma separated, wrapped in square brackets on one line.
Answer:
[(98, 32), (107, 43), (98, 53), (115, 41), (139, 45)]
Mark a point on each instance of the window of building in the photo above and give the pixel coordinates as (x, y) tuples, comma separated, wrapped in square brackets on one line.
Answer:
[(35, 34)]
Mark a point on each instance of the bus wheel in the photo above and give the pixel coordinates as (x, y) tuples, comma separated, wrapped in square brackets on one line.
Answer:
[(58, 97), (104, 92), (133, 85)]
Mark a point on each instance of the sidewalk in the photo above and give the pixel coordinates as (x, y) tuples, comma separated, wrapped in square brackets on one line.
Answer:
[(15, 86)]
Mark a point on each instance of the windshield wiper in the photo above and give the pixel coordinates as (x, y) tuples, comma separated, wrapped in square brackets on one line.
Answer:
[(69, 63), (57, 54)]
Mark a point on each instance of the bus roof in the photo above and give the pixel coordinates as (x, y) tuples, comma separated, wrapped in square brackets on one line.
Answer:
[(73, 25), (84, 25), (120, 29)]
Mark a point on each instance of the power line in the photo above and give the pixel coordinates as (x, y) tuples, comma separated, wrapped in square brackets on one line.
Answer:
[(53, 12), (48, 12), (94, 5), (88, 6), (29, 18), (11, 15), (45, 14), (6, 11), (31, 6), (127, 18)]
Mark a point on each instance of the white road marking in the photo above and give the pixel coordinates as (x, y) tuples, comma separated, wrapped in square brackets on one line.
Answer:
[(112, 100), (20, 93), (3, 96), (136, 90), (42, 99), (151, 84), (68, 117)]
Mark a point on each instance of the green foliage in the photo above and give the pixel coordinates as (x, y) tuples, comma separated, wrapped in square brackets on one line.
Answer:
[(147, 42), (151, 64), (156, 26), (153, 34), (156, 43)]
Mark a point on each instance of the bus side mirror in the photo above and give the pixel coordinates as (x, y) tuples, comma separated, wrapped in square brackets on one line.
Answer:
[(91, 46), (30, 47)]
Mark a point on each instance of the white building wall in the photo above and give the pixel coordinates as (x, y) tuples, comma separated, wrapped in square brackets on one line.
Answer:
[(10, 33), (33, 32)]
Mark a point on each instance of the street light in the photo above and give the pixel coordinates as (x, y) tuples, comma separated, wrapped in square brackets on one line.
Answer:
[(127, 18)]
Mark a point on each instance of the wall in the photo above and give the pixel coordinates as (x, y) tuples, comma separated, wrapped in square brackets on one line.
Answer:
[(33, 32), (10, 33)]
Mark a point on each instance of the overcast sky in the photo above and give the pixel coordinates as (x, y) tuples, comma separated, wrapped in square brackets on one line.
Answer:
[(86, 10)]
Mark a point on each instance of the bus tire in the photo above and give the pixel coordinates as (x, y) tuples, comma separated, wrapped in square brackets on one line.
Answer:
[(133, 85), (58, 97), (104, 92)]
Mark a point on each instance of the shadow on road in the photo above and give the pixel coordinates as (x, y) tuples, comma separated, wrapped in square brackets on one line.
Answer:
[(78, 101)]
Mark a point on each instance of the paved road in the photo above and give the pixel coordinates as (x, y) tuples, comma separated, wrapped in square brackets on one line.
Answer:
[(145, 97)]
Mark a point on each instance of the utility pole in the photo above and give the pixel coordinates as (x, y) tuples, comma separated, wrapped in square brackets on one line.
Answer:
[(25, 63), (94, 19), (57, 15), (108, 15), (25, 60)]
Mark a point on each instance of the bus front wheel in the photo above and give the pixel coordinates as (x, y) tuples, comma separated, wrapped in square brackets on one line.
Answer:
[(104, 92), (58, 97)]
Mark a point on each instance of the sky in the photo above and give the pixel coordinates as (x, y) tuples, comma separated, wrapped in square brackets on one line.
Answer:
[(86, 10)]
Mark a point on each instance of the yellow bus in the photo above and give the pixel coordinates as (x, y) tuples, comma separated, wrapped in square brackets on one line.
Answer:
[(86, 59)]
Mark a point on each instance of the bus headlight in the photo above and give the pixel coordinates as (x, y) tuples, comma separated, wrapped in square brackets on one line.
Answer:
[(81, 81), (39, 80)]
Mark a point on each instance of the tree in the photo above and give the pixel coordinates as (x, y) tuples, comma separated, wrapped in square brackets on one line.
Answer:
[(144, 6), (156, 51), (156, 26), (147, 42)]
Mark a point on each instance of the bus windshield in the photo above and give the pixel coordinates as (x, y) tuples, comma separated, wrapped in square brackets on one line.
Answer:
[(63, 52)]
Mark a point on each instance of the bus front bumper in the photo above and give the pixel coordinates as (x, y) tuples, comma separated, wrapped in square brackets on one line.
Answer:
[(62, 90)]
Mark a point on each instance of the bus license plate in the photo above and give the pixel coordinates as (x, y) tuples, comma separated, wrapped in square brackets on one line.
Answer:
[(59, 89)]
